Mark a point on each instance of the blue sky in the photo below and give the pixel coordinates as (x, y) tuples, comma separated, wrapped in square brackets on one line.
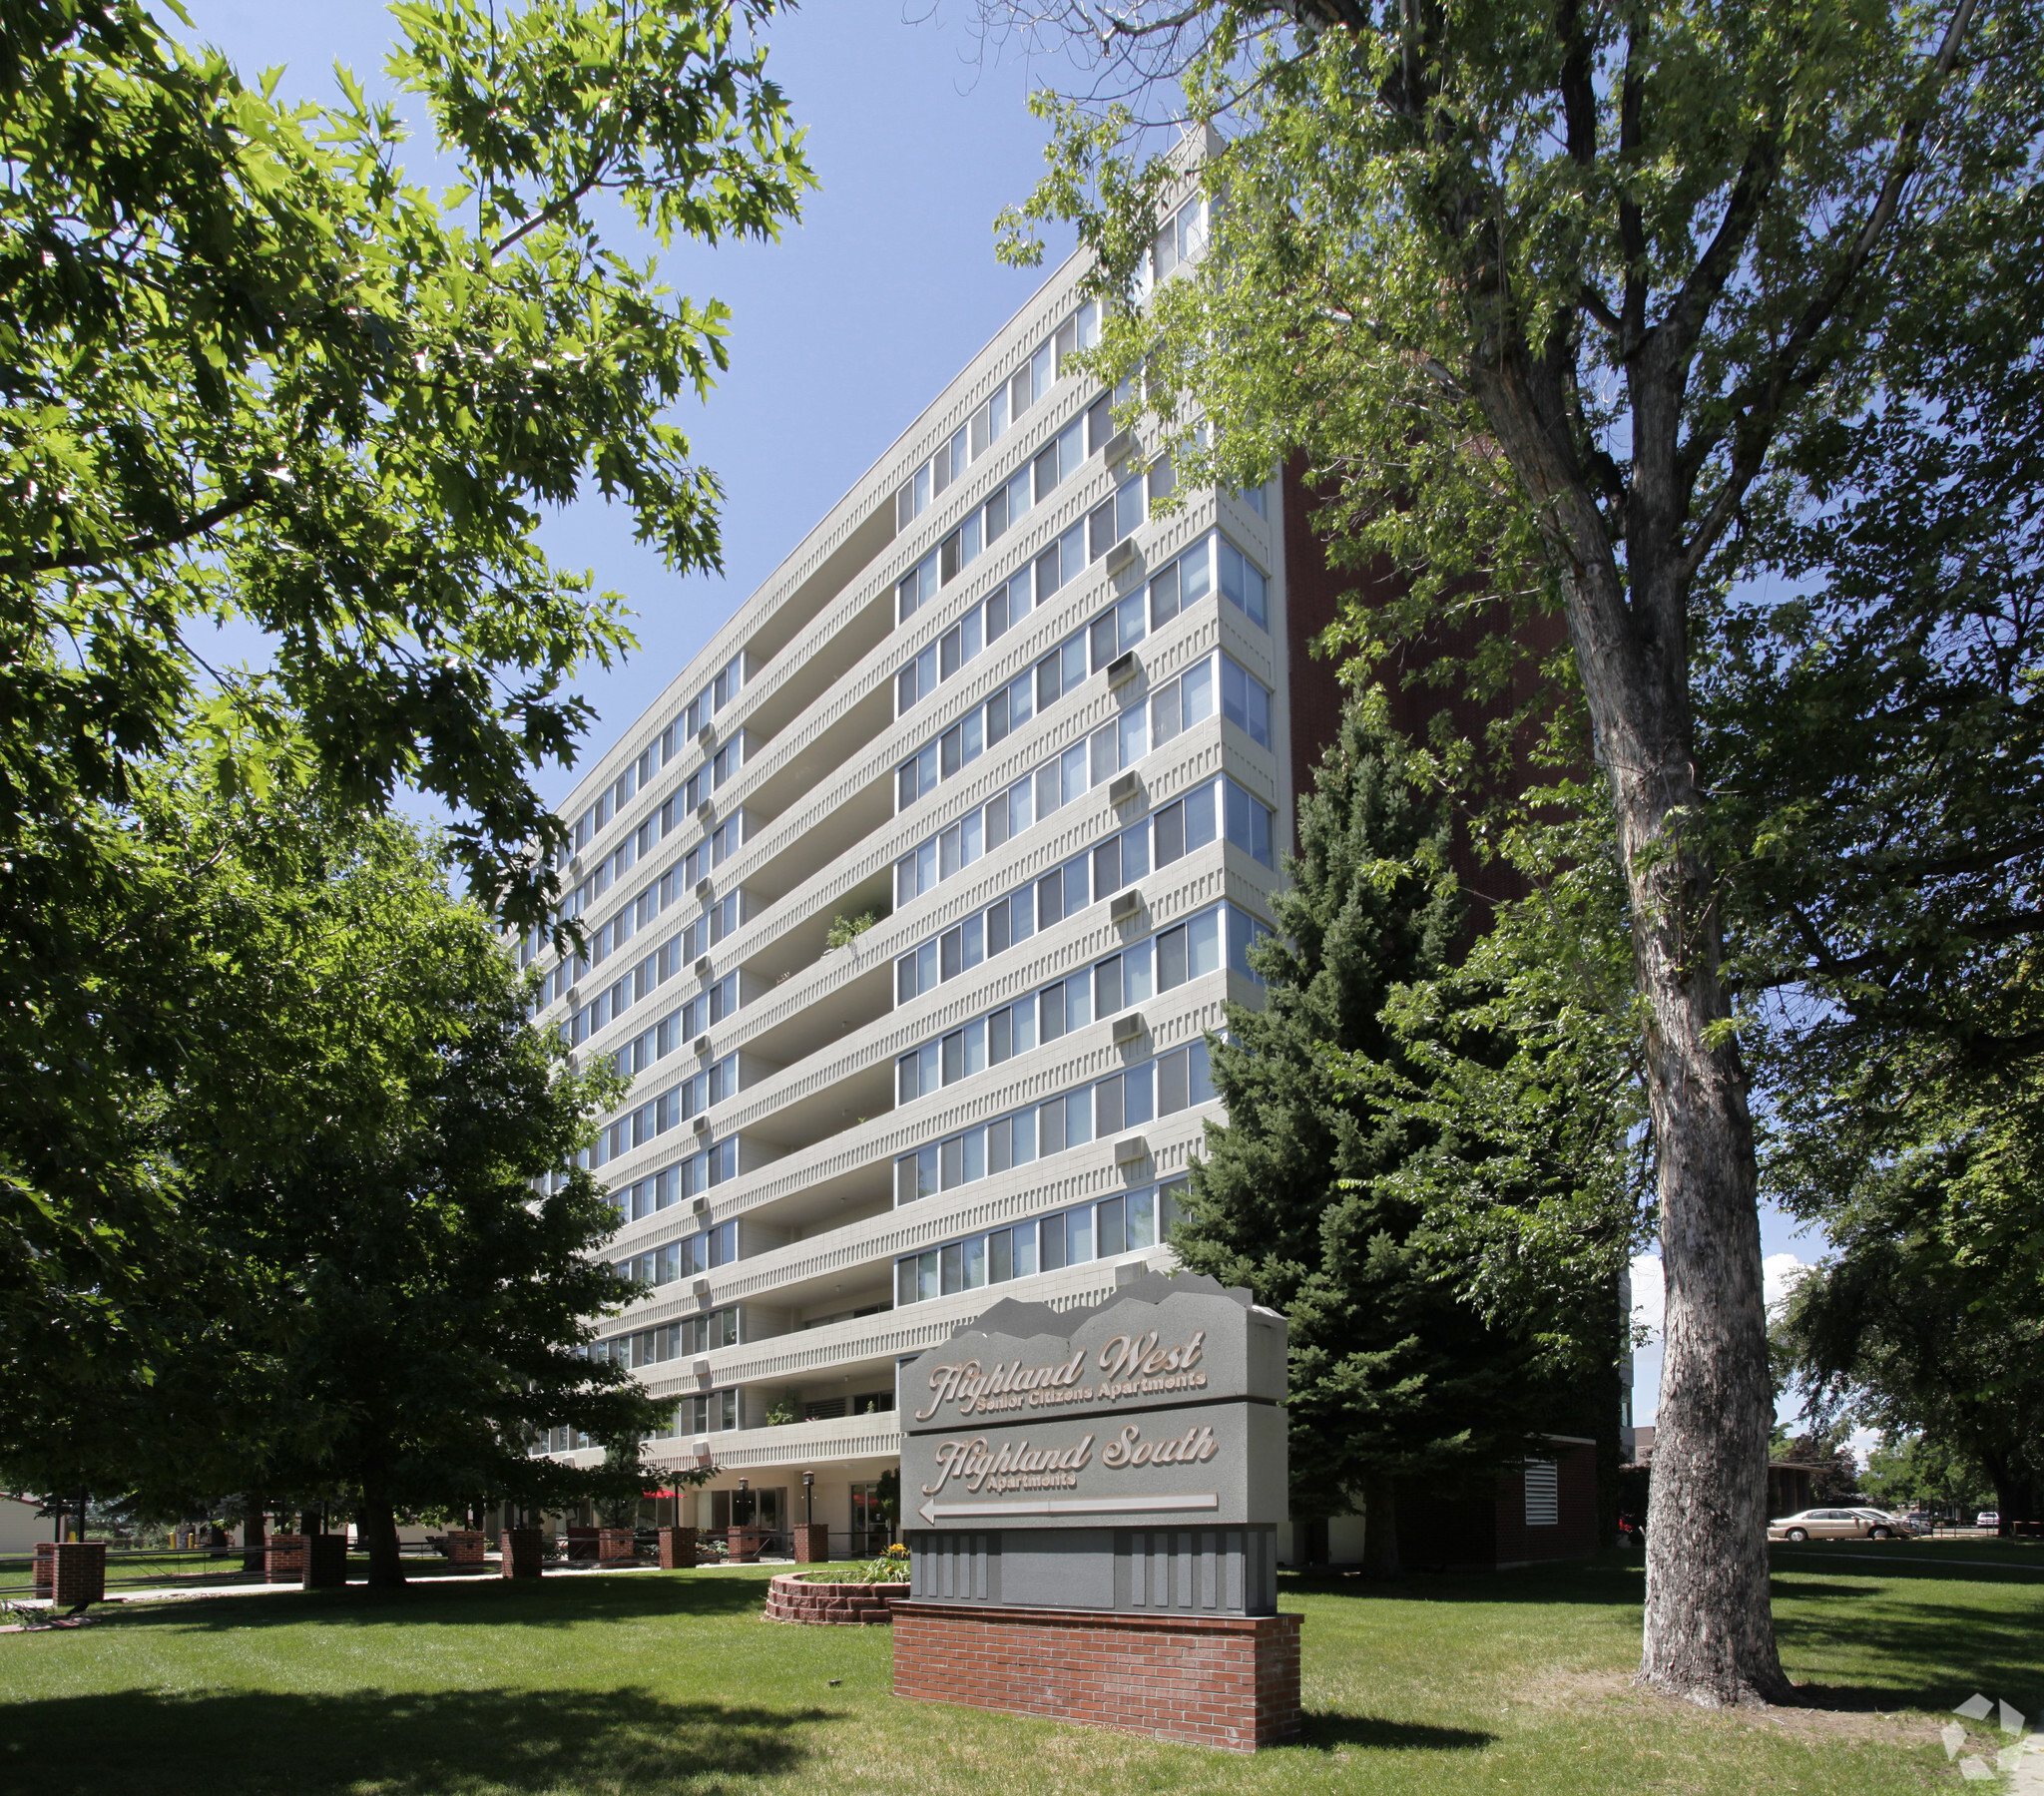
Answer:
[(841, 333)]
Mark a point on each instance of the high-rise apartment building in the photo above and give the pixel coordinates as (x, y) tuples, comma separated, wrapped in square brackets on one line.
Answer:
[(1048, 741)]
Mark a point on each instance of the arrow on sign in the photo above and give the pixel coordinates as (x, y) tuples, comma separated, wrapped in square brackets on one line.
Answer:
[(932, 1512)]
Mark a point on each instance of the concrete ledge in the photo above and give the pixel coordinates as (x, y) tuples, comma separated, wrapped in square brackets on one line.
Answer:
[(1211, 1680)]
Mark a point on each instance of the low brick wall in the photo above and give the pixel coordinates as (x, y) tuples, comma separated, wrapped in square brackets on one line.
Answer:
[(1211, 1680), (792, 1597), (676, 1548), (616, 1545)]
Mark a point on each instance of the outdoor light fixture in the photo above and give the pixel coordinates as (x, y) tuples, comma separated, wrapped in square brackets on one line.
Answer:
[(808, 1499)]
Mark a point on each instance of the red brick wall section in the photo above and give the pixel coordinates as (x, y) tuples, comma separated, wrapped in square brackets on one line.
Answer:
[(811, 1543), (521, 1552), (614, 1545), (791, 1598), (1222, 1680), (78, 1573), (284, 1559), (465, 1546), (676, 1548), (46, 1566)]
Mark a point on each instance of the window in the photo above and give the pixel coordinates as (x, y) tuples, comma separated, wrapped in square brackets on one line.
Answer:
[(1241, 583), (1125, 1223), (1246, 701), (1158, 1087)]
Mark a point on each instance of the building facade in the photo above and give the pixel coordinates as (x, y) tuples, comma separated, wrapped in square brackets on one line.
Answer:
[(1048, 741)]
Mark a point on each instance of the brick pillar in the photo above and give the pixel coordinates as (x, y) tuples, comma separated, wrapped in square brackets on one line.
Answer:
[(616, 1545), (521, 1552), (743, 1543), (582, 1542), (284, 1559), (78, 1574), (326, 1562), (676, 1548), (811, 1543), (465, 1547), (46, 1566)]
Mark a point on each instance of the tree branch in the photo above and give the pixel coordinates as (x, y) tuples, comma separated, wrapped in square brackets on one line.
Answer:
[(135, 545)]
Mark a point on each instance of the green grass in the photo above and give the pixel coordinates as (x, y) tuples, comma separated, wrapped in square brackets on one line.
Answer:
[(663, 1682)]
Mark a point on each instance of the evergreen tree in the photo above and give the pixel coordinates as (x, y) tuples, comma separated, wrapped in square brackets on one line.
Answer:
[(1394, 1377)]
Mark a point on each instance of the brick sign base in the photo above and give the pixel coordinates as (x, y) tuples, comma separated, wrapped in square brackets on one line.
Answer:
[(1211, 1680), (792, 1597)]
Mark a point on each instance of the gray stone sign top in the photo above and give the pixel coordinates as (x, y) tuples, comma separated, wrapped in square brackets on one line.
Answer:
[(1161, 1408)]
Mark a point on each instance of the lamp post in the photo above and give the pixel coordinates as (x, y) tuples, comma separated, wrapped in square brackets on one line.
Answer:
[(808, 1497)]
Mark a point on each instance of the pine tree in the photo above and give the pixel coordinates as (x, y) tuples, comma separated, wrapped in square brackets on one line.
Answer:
[(1394, 1375)]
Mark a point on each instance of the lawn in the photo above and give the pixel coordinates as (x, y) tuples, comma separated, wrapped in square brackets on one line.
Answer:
[(659, 1682)]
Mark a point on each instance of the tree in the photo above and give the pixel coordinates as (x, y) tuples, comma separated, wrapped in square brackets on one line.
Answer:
[(250, 375), (1539, 291), (1928, 1317), (366, 1295), (1393, 1377), (1912, 1473)]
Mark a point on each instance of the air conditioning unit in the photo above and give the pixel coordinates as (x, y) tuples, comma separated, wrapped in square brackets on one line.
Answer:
[(703, 888), (701, 1288), (703, 1046), (702, 966), (704, 812), (1126, 1029), (1122, 906), (1121, 556), (1123, 787), (706, 737), (700, 1124), (1129, 1150), (700, 1207), (1120, 447), (1124, 665)]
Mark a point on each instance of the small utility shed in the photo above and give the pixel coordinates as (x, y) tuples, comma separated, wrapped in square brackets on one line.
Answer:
[(1545, 1509)]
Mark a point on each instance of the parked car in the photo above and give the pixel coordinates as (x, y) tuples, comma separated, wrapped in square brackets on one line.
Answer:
[(1902, 1525), (1987, 1518), (1833, 1525)]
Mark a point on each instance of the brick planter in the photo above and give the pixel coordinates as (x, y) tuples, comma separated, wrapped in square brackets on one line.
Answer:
[(77, 1572), (791, 1598), (616, 1545), (521, 1552), (284, 1559), (1211, 1680), (811, 1544), (676, 1548), (465, 1546)]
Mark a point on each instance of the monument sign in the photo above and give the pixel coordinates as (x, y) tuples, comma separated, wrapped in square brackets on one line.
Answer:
[(1122, 1466)]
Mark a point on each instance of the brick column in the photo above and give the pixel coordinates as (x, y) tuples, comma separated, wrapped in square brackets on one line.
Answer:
[(521, 1552), (326, 1558), (616, 1545), (743, 1543), (464, 1547), (811, 1543), (77, 1572), (582, 1544), (284, 1559), (676, 1548), (46, 1566)]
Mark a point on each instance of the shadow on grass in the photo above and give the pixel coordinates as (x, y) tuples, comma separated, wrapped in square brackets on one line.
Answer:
[(1921, 1655), (549, 1602), (399, 1744), (1609, 1579), (1326, 1731)]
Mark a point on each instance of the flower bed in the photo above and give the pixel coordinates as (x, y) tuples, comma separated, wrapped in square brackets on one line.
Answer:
[(792, 1596)]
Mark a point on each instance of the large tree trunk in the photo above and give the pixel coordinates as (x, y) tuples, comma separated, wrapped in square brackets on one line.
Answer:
[(386, 1567), (1380, 1528), (1709, 1633)]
